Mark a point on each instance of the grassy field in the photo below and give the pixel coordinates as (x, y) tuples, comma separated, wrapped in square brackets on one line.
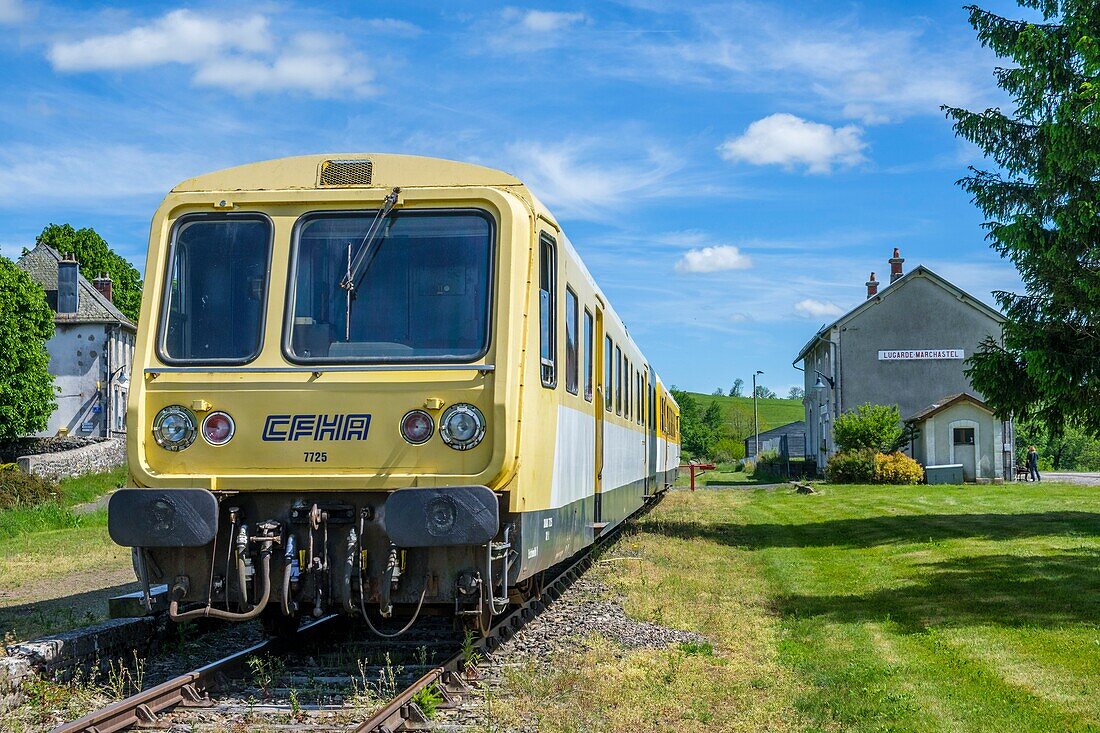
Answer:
[(57, 566), (773, 413), (857, 608)]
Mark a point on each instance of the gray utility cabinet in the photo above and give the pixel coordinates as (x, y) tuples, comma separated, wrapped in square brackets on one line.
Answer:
[(951, 473)]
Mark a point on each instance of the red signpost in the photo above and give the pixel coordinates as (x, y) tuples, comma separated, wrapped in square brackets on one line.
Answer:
[(700, 467)]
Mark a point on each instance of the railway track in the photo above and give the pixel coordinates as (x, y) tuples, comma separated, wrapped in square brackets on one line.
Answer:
[(379, 695)]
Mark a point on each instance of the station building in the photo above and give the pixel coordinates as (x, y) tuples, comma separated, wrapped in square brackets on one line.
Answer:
[(91, 351), (905, 345)]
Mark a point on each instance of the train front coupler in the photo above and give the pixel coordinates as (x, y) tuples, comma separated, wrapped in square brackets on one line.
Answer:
[(270, 536)]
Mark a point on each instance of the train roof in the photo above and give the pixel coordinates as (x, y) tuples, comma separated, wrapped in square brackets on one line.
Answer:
[(386, 170), (306, 172)]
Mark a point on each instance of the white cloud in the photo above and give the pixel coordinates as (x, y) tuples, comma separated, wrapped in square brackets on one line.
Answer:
[(85, 176), (811, 308), (516, 31), (713, 259), (312, 64), (548, 21), (393, 27), (870, 73), (181, 36), (787, 140), (243, 55), (587, 179), (11, 11)]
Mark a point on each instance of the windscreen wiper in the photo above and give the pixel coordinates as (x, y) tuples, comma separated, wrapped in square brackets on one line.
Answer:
[(356, 264)]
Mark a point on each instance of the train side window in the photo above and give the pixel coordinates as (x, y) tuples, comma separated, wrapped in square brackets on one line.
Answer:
[(548, 320), (570, 341), (608, 373), (626, 388), (618, 381), (588, 355)]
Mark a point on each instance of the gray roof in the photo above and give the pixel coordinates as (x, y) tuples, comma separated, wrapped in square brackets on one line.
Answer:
[(92, 307), (918, 271), (798, 426), (944, 402)]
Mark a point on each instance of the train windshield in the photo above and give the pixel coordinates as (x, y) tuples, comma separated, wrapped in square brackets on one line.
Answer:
[(217, 282), (421, 294)]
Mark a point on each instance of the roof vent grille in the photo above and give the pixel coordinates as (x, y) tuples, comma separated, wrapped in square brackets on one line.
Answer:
[(345, 173)]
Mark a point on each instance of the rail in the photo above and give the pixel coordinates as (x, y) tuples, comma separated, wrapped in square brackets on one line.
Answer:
[(401, 712), (191, 689)]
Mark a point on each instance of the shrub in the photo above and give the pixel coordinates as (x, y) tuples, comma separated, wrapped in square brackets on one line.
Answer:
[(877, 427), (851, 467), (24, 489), (897, 468), (868, 466), (728, 450)]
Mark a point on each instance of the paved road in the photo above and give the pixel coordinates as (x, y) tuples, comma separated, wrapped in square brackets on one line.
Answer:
[(1086, 479)]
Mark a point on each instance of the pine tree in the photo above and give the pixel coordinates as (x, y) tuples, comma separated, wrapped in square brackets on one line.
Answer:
[(1040, 197)]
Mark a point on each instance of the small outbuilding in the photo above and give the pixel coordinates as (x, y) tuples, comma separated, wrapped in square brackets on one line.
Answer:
[(960, 429), (787, 440)]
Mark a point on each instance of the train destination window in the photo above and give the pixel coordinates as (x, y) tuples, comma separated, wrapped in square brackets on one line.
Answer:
[(587, 355), (548, 311), (571, 341), (216, 289), (422, 292), (608, 373)]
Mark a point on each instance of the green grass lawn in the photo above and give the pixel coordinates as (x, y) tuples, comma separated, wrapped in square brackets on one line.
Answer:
[(773, 413), (58, 566), (859, 608)]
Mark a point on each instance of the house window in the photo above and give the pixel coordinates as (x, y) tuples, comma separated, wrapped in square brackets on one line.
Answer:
[(964, 436)]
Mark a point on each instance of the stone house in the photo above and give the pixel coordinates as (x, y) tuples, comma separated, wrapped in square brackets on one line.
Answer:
[(905, 345), (92, 349)]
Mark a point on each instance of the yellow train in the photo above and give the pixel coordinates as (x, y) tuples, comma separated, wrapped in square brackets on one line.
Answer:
[(375, 382)]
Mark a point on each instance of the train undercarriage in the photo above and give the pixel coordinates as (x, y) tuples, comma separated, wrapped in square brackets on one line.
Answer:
[(284, 556)]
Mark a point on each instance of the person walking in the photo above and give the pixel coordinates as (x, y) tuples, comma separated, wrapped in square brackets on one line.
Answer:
[(1033, 464)]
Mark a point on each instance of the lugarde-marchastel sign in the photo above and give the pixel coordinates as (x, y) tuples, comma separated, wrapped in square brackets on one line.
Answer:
[(911, 354)]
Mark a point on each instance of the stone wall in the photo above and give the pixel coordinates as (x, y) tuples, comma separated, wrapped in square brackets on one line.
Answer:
[(90, 650), (94, 458)]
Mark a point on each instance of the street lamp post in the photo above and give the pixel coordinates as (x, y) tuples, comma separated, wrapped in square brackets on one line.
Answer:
[(755, 419)]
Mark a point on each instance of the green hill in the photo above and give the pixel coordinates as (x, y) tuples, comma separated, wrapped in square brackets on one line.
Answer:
[(773, 413)]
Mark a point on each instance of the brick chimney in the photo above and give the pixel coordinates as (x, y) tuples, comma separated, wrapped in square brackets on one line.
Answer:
[(67, 275), (104, 285), (895, 265), (872, 286)]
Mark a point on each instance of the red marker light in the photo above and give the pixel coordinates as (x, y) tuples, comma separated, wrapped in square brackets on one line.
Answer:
[(218, 428), (417, 426)]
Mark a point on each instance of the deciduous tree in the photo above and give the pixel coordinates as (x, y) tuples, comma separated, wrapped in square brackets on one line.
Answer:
[(26, 323), (1040, 194)]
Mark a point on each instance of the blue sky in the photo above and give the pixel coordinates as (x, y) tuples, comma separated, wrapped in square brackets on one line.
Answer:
[(731, 173)]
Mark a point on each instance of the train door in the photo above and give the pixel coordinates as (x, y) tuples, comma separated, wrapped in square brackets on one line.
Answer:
[(651, 430), (602, 393)]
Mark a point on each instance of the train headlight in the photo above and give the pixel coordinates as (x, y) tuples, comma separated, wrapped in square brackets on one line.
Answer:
[(218, 428), (417, 426), (462, 426), (174, 428)]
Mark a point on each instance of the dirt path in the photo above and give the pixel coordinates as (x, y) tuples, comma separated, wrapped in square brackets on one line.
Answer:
[(1073, 477)]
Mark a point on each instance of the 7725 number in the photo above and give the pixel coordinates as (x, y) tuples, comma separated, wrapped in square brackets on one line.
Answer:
[(316, 456)]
